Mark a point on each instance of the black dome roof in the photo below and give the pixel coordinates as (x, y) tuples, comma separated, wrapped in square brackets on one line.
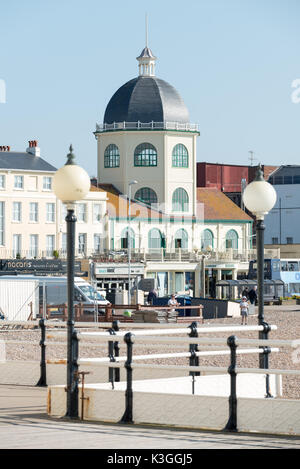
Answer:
[(146, 99)]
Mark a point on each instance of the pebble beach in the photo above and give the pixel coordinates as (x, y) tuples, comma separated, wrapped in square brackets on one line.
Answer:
[(23, 344)]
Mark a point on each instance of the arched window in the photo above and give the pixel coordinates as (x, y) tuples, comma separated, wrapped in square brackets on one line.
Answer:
[(111, 156), (145, 154), (127, 236), (180, 156), (156, 239), (181, 239), (207, 239), (232, 239), (180, 200), (146, 195)]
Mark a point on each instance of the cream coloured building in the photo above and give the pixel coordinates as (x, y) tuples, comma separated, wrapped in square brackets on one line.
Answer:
[(32, 219), (147, 153)]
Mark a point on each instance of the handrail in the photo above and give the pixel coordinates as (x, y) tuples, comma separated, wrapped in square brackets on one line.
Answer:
[(154, 356), (148, 332)]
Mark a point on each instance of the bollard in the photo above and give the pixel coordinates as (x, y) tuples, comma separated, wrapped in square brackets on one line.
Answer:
[(72, 388), (127, 416), (194, 360), (232, 421), (43, 380)]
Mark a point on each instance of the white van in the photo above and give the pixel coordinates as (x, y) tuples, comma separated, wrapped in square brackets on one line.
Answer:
[(53, 290)]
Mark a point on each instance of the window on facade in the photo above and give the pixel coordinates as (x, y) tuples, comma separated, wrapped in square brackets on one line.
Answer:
[(180, 200), (127, 236), (181, 239), (156, 239), (50, 213), (17, 212), (97, 213), (180, 156), (47, 183), (64, 212), (2, 181), (33, 212), (275, 240), (2, 218), (296, 179), (64, 242), (232, 240), (82, 243), (289, 240), (97, 242), (207, 239), (288, 179), (50, 245), (81, 212), (145, 154), (19, 182), (278, 180), (146, 195), (33, 245), (111, 156), (17, 239)]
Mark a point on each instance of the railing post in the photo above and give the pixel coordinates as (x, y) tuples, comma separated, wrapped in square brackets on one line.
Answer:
[(111, 357), (72, 388), (194, 360), (264, 357), (43, 380), (127, 416), (115, 327), (232, 421)]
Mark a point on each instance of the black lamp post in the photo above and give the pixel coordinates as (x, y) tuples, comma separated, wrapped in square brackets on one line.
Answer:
[(259, 197), (70, 184)]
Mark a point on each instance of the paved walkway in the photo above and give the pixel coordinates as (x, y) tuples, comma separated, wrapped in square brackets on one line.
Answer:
[(24, 424)]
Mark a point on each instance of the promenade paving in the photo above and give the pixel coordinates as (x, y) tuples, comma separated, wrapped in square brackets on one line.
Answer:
[(24, 424)]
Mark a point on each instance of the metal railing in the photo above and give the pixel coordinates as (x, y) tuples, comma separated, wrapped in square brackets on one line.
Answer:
[(142, 337), (142, 255), (186, 127)]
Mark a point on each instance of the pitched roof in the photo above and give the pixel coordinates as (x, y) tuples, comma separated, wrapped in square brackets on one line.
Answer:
[(24, 161), (217, 206)]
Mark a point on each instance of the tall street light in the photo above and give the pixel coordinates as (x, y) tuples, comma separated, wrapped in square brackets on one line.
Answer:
[(129, 239), (259, 198), (70, 184)]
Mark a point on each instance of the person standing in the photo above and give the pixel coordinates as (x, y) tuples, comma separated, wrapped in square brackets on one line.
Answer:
[(244, 307), (172, 302), (151, 296), (245, 292), (252, 295)]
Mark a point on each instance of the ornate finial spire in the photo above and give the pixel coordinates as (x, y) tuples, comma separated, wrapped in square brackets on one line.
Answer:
[(70, 155), (146, 59)]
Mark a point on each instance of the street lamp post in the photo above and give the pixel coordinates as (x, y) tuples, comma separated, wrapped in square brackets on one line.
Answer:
[(70, 184), (259, 198), (129, 239)]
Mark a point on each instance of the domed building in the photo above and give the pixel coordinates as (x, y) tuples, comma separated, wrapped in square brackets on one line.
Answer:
[(147, 168), (146, 136)]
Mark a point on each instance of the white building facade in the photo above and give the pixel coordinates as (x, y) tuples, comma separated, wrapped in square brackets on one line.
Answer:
[(32, 219)]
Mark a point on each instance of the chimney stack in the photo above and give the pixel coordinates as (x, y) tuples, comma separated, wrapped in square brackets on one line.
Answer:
[(33, 148), (4, 148)]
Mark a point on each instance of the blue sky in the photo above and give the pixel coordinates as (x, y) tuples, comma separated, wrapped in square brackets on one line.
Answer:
[(232, 61)]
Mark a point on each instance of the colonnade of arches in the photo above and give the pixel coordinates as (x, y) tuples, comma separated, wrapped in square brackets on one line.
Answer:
[(157, 239)]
